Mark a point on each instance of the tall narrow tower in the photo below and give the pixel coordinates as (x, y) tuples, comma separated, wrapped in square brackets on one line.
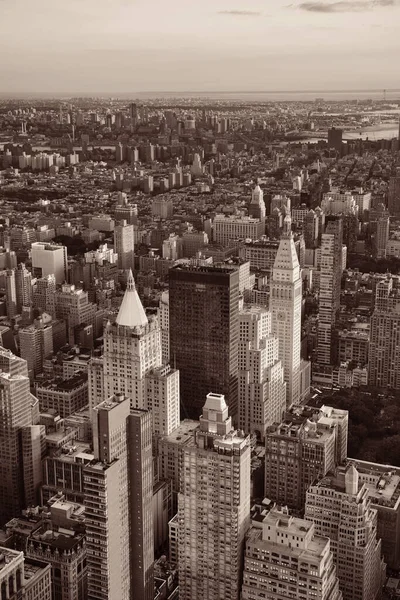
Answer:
[(132, 347), (213, 507), (285, 307)]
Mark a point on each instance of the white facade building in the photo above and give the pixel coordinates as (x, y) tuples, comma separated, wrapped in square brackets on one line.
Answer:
[(213, 507), (50, 259), (262, 390), (285, 307)]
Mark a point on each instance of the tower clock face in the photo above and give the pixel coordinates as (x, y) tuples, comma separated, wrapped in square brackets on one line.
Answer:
[(281, 316)]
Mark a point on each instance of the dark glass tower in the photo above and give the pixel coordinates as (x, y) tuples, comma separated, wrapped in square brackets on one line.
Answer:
[(204, 334)]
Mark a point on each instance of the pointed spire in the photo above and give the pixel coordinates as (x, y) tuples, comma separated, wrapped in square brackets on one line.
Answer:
[(131, 312)]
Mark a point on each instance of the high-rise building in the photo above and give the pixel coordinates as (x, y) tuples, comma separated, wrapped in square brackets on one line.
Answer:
[(285, 307), (140, 464), (342, 510), (307, 445), (262, 390), (73, 306), (310, 229), (49, 259), (118, 486), (36, 343), (204, 333), (23, 286), (286, 558), (11, 294), (44, 289), (124, 245), (335, 138), (329, 289), (379, 223), (384, 346), (133, 364), (15, 415), (163, 316), (162, 208), (257, 205), (132, 347), (107, 503), (213, 507), (394, 195)]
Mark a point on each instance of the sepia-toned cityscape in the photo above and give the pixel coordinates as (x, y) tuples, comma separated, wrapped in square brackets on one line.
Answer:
[(199, 300)]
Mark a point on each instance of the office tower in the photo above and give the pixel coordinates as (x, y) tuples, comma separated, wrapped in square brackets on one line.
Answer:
[(213, 507), (257, 204), (44, 289), (336, 202), (72, 305), (124, 245), (162, 208), (23, 286), (379, 230), (204, 333), (310, 229), (49, 259), (23, 578), (286, 558), (163, 317), (341, 509), (11, 294), (394, 195), (329, 289), (141, 508), (285, 307), (15, 414), (132, 347), (262, 390), (197, 169), (231, 228), (172, 247), (118, 499), (107, 503), (162, 399), (36, 343), (95, 383), (384, 347), (307, 445), (335, 139)]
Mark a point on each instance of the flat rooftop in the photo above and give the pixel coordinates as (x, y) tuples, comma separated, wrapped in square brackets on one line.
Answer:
[(184, 433)]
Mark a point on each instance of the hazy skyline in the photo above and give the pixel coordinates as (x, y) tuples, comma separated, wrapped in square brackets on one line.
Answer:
[(132, 45)]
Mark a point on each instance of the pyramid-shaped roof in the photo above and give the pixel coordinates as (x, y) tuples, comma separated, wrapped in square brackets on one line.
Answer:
[(131, 312)]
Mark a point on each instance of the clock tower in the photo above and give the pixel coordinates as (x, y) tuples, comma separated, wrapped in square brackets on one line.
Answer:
[(285, 307)]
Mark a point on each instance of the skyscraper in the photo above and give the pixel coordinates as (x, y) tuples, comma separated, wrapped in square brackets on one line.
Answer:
[(118, 487), (133, 364), (213, 507), (285, 307), (262, 390), (15, 415), (287, 558), (335, 138), (107, 503), (329, 292), (307, 445), (257, 205), (384, 346), (124, 245), (341, 509), (204, 333), (132, 347), (49, 259), (394, 195), (11, 294)]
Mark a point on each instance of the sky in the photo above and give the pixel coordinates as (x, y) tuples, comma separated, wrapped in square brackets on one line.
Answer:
[(111, 46)]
